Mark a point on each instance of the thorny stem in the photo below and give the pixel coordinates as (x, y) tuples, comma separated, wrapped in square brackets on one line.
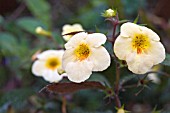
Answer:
[(64, 102)]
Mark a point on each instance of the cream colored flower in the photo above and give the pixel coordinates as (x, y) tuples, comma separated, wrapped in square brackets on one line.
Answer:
[(140, 47), (71, 28), (49, 65), (84, 54)]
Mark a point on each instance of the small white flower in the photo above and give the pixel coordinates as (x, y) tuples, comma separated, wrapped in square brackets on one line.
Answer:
[(49, 65), (140, 47), (85, 54), (71, 28)]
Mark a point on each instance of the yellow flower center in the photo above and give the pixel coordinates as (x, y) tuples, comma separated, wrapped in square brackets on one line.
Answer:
[(52, 63), (140, 43), (82, 51)]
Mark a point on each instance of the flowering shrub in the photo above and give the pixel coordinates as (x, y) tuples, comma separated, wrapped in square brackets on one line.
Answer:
[(78, 69)]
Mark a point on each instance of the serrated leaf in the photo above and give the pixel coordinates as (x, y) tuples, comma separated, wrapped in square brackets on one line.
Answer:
[(64, 88), (166, 62), (29, 24), (42, 12)]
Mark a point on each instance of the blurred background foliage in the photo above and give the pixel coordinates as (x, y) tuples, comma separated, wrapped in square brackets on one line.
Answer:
[(19, 88)]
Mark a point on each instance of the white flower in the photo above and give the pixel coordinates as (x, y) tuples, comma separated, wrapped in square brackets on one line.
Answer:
[(71, 28), (49, 65), (140, 47), (85, 54)]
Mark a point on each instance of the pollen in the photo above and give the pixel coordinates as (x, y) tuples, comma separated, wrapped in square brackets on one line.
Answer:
[(82, 51), (53, 63), (140, 43)]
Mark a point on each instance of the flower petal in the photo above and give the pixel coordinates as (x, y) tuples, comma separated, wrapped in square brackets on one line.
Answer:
[(96, 39), (100, 58), (66, 27), (129, 29), (78, 27), (139, 64), (50, 53), (122, 47), (68, 57), (52, 76), (151, 34), (75, 40), (71, 28), (79, 71), (156, 52), (38, 68)]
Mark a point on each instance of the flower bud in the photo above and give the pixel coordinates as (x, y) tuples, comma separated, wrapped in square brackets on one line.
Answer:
[(109, 13), (120, 110), (39, 30)]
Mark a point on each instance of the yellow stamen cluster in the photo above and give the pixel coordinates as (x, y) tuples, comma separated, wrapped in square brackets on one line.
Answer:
[(52, 63), (140, 43), (82, 51)]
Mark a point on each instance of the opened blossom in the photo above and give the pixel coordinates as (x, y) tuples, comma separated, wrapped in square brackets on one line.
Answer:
[(69, 29), (140, 47), (49, 65), (84, 54)]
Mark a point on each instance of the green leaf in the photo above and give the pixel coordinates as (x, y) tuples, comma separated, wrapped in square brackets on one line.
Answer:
[(17, 98), (99, 78), (64, 88), (58, 38), (136, 20), (166, 62), (97, 29), (41, 10), (123, 21), (29, 24), (8, 43)]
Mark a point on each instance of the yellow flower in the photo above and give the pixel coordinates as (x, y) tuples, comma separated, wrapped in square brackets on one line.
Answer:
[(49, 65), (140, 47), (84, 54), (71, 28)]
